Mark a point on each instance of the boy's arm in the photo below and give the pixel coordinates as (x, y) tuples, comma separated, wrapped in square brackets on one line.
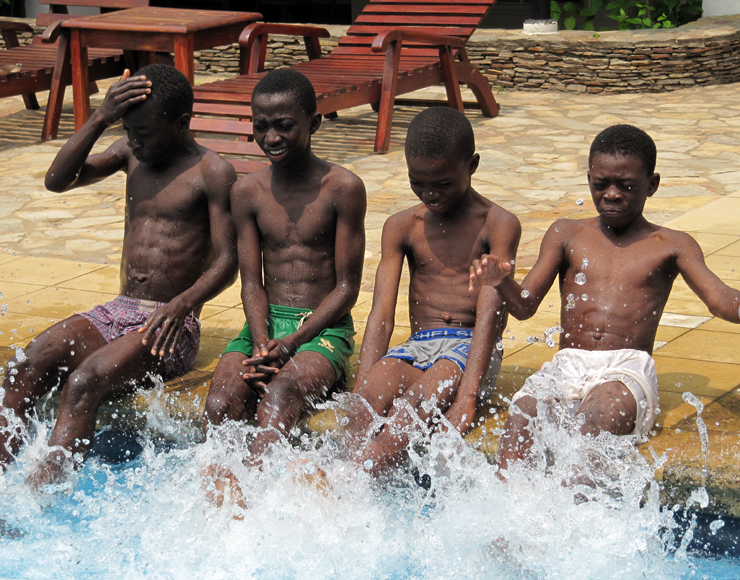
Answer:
[(381, 320), (349, 252), (721, 300), (219, 175), (523, 300), (73, 165), (503, 241)]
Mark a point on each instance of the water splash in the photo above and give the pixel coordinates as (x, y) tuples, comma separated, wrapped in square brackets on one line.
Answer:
[(701, 427), (580, 278), (147, 517)]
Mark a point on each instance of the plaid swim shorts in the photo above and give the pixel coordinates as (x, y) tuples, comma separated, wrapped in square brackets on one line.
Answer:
[(123, 315)]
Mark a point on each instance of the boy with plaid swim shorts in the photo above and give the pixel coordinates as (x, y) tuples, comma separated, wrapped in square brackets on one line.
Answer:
[(178, 252)]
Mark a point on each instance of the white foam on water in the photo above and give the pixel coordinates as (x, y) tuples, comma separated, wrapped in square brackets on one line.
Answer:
[(148, 518)]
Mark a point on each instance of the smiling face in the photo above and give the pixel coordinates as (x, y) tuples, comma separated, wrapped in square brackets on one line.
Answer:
[(152, 136), (441, 184), (282, 128), (619, 188)]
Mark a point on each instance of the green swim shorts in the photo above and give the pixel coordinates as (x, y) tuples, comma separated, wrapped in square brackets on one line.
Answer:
[(335, 343)]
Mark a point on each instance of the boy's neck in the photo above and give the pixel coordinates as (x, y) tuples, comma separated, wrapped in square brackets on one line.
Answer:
[(637, 225), (296, 171), (459, 208)]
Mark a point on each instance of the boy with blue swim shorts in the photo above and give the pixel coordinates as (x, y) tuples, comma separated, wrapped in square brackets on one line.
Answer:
[(441, 366)]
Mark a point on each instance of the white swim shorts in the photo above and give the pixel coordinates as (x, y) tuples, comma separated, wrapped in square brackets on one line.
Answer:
[(574, 373)]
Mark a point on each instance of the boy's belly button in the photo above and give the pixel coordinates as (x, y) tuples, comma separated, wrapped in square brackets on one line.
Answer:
[(447, 317)]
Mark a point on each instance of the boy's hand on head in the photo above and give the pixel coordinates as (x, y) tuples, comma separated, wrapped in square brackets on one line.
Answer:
[(126, 93), (170, 321), (489, 270)]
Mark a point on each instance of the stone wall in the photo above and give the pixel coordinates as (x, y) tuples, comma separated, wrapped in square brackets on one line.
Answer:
[(703, 52)]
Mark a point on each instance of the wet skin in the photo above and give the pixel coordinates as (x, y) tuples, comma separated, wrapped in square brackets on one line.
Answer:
[(439, 238), (178, 248), (632, 265), (301, 221)]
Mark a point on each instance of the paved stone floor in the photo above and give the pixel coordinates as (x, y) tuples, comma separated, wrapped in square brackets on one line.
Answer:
[(59, 253)]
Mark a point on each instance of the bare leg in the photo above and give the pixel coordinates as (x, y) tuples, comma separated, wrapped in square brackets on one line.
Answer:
[(229, 395), (304, 378), (517, 438), (50, 358), (111, 371), (389, 378), (438, 383), (609, 407)]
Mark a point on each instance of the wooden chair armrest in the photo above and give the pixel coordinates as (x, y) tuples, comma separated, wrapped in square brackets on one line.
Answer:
[(52, 32), (253, 43), (257, 29), (9, 25), (384, 39)]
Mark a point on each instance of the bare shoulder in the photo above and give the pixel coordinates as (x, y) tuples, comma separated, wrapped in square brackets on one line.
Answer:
[(250, 184), (401, 225), (502, 220), (342, 181), (216, 170), (679, 242)]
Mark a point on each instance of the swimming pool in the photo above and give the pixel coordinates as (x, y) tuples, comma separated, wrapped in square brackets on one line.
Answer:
[(143, 515)]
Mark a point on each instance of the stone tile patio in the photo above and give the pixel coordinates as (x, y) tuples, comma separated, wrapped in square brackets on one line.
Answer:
[(59, 252)]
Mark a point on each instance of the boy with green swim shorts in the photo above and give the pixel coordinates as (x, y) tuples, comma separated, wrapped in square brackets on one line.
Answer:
[(300, 242)]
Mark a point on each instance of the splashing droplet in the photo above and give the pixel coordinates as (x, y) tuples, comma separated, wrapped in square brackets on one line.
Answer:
[(525, 293), (579, 202), (580, 278), (584, 297), (584, 264)]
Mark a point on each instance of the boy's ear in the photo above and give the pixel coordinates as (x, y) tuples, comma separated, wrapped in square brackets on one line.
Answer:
[(474, 162), (183, 122), (653, 183), (315, 122)]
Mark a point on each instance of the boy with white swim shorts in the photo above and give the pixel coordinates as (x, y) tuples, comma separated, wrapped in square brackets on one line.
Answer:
[(615, 272), (442, 364)]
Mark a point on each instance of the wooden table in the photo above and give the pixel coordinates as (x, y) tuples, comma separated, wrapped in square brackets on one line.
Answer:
[(147, 30)]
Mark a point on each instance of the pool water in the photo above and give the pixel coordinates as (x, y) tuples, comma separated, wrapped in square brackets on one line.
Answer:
[(137, 510)]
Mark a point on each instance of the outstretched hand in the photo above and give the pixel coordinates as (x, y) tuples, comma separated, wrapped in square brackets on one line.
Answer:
[(124, 94), (489, 270), (170, 321)]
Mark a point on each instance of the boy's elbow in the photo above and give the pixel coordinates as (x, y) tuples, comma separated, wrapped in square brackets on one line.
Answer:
[(52, 183)]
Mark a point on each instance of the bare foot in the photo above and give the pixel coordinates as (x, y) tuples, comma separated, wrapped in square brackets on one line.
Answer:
[(53, 469), (221, 486), (308, 473)]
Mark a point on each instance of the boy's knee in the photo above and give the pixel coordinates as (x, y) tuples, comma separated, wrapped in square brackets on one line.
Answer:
[(81, 390)]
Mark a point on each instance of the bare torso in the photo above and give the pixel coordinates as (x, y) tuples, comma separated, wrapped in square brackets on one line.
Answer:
[(167, 241), (439, 269), (614, 290), (298, 229)]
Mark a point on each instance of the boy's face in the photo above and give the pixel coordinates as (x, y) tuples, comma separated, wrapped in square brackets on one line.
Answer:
[(440, 184), (152, 136), (619, 187), (281, 127)]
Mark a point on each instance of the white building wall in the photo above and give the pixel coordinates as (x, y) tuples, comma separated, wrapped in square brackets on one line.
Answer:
[(721, 7)]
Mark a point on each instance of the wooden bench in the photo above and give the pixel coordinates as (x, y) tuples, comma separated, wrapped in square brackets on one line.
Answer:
[(394, 47), (45, 63)]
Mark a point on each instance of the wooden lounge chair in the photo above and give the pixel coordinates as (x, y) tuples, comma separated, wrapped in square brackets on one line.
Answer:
[(394, 47), (45, 63)]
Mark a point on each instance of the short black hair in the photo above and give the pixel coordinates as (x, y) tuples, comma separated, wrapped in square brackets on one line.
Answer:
[(171, 90), (291, 82), (626, 140), (440, 132)]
